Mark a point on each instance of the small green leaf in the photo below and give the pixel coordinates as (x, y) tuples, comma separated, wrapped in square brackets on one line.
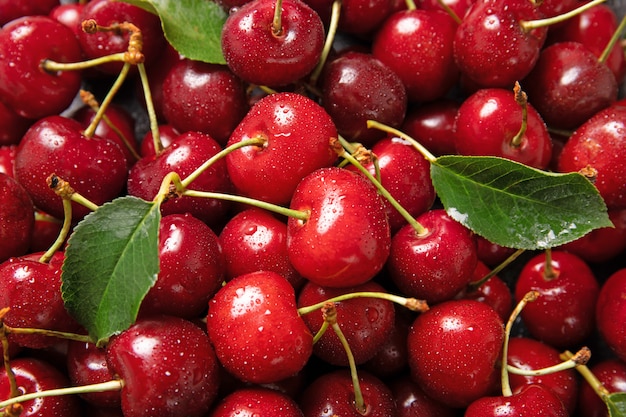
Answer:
[(111, 261), (516, 206), (617, 404), (192, 27)]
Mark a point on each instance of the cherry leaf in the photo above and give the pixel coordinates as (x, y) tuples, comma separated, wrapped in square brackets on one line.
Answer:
[(617, 404), (111, 261), (192, 27), (516, 206)]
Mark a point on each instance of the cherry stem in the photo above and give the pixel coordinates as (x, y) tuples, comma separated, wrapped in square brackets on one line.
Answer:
[(614, 39), (473, 286), (328, 43), (529, 25), (5, 354), (330, 315), (548, 270), (114, 385), (522, 99), (412, 304), (589, 377), (320, 332), (64, 190), (504, 376), (410, 4), (580, 358), (420, 148), (277, 22), (154, 121), (53, 66), (341, 151), (65, 229), (450, 12), (49, 333)]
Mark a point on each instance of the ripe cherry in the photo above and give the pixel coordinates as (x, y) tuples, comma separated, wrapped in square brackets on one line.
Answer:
[(433, 125), (256, 401), (411, 400), (493, 292), (532, 401), (17, 218), (10, 10), (611, 311), (13, 126), (612, 374)]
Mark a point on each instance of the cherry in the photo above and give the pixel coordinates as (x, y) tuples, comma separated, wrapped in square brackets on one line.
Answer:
[(346, 239), (612, 374), (610, 312), (167, 135), (405, 173), (333, 394), (45, 232), (69, 14), (168, 367), (527, 353), (17, 218), (256, 330), (568, 85), (417, 45), (363, 18), (599, 144), (459, 7), (493, 292), (491, 253), (13, 126), (453, 350), (255, 240), (357, 87), (497, 122), (433, 125), (411, 401), (434, 266), (24, 86), (7, 159), (491, 45), (10, 10), (203, 97), (34, 375), (256, 401), (532, 401), (188, 151), (191, 268), (265, 51), (94, 167), (286, 123), (366, 322), (32, 290)]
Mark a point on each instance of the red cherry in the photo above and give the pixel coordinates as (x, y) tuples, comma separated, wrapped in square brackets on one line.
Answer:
[(10, 10), (532, 401), (346, 239), (69, 14), (491, 253), (261, 54), (7, 159), (13, 126), (493, 292), (168, 367), (255, 328), (567, 295), (453, 350), (167, 135), (17, 218), (256, 401), (611, 313), (459, 7), (433, 125), (288, 123), (45, 232), (612, 374), (411, 401)]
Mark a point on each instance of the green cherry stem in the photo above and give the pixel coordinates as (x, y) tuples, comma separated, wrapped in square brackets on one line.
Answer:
[(529, 25), (614, 39), (14, 392), (580, 358), (328, 43), (412, 304), (320, 332), (49, 333), (277, 22), (522, 100), (65, 191), (65, 229), (420, 148), (53, 66), (152, 117), (473, 286), (589, 377), (450, 12)]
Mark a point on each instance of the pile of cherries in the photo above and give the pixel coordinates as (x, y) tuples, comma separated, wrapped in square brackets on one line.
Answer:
[(232, 325)]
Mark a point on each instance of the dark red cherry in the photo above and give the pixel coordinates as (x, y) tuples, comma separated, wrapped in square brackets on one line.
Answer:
[(167, 135), (432, 125), (255, 328), (256, 401), (491, 253), (493, 292), (612, 374), (69, 14), (363, 18), (45, 232), (17, 218), (13, 126), (532, 401), (168, 367), (7, 159), (611, 313), (459, 7), (346, 239), (24, 86), (261, 54), (453, 351), (411, 401), (568, 292), (417, 45), (10, 10)]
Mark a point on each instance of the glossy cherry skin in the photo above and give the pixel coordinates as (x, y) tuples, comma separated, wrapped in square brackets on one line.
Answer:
[(433, 125), (611, 313), (290, 124), (17, 218), (346, 239), (10, 10), (494, 292), (453, 351), (356, 87), (492, 48), (259, 56), (532, 401), (34, 375), (167, 135), (422, 56), (568, 85), (168, 367), (191, 268), (188, 151), (24, 86), (459, 7), (13, 126), (392, 358), (45, 232), (567, 298), (255, 328), (365, 322), (32, 290), (69, 14), (205, 97), (411, 401), (256, 401), (436, 266), (94, 167), (612, 374), (255, 240), (527, 353), (7, 159), (599, 144), (332, 394), (491, 253)]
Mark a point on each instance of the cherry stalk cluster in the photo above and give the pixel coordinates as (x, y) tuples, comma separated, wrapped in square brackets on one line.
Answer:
[(306, 264)]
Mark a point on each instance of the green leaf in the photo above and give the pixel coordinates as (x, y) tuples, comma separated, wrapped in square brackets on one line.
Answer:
[(516, 206), (192, 27), (617, 404), (111, 261)]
